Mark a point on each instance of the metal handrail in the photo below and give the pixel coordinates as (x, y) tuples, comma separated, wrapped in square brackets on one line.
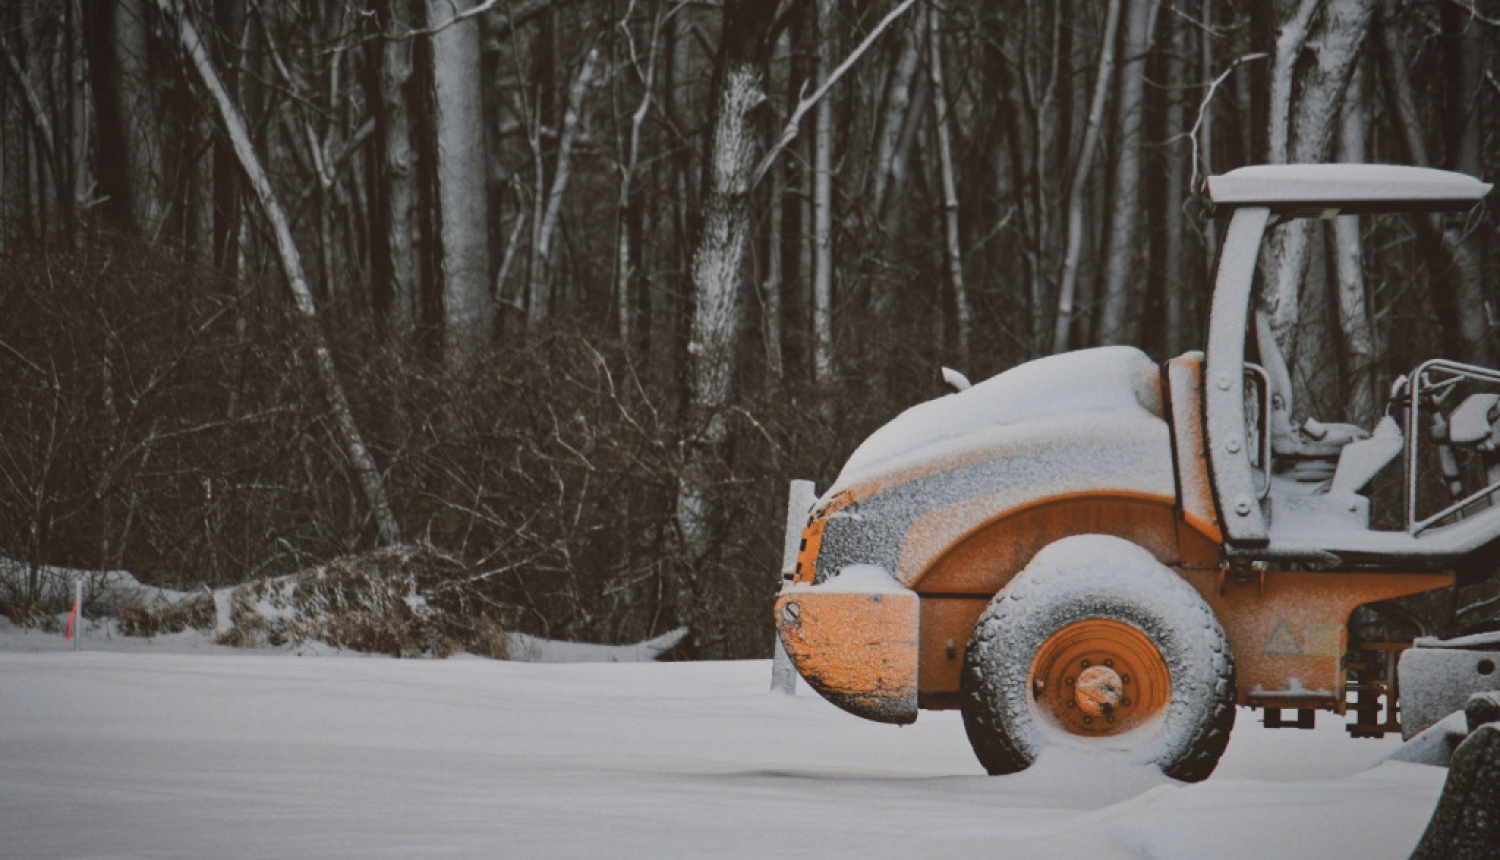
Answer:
[(1415, 389), (1264, 429)]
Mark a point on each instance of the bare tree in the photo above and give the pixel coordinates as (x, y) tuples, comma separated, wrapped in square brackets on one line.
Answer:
[(1305, 104), (540, 302), (397, 267), (627, 218), (1078, 177), (716, 277), (462, 201), (822, 203), (953, 247), (1358, 353), (129, 115), (1175, 162), (1123, 297), (1463, 134), (291, 261), (1458, 297)]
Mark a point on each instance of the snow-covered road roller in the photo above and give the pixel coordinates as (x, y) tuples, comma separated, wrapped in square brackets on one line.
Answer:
[(1093, 549)]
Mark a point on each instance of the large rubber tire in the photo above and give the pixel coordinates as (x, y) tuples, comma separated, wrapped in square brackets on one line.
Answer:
[(1081, 603)]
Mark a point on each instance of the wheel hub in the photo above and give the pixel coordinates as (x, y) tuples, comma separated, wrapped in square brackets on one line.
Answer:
[(1099, 677), (1099, 691)]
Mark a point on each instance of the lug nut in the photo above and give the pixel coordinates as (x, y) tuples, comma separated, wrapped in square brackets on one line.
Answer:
[(1125, 679), (1109, 663), (1068, 680), (1087, 664)]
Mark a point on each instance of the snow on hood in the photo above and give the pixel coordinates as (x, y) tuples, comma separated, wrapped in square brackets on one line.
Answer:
[(1107, 379)]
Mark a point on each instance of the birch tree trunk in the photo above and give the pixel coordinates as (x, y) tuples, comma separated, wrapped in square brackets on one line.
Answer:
[(626, 217), (822, 203), (541, 301), (1357, 333), (1304, 119), (1291, 36), (1073, 253), (1474, 313), (48, 154), (954, 250), (888, 161), (398, 270), (229, 21), (893, 209), (1175, 159), (1123, 298), (462, 199), (716, 278), (1206, 130), (897, 101), (365, 469), (775, 279)]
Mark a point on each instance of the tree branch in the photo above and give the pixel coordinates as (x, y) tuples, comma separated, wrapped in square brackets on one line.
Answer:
[(808, 102), (1208, 98), (291, 262), (38, 113)]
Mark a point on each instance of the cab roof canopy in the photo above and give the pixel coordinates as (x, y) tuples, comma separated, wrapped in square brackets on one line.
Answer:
[(1325, 190)]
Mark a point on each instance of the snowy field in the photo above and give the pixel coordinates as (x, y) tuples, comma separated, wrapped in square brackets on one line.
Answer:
[(182, 750)]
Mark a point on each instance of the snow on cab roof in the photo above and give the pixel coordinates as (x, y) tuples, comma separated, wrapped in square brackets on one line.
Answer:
[(1329, 189)]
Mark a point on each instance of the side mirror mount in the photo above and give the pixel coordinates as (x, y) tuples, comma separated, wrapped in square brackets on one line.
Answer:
[(956, 381)]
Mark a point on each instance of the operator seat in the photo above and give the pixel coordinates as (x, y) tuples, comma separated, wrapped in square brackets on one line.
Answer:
[(1314, 448)]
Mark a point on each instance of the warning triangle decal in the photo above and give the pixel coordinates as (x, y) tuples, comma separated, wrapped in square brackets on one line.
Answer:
[(1282, 642)]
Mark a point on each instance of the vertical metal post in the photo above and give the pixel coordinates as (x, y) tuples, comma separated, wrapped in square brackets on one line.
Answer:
[(78, 613), (800, 500)]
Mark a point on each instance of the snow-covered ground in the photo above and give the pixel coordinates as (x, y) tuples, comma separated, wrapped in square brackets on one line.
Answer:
[(177, 749)]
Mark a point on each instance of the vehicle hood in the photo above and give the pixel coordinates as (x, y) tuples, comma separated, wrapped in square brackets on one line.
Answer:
[(1112, 379)]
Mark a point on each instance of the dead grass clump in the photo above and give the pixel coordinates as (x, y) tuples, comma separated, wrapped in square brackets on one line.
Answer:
[(368, 603), (406, 601), (160, 615)]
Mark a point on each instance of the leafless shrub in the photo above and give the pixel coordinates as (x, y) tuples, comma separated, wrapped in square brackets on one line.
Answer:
[(156, 426)]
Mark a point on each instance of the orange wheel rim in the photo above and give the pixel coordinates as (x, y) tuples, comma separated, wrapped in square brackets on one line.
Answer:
[(1098, 678)]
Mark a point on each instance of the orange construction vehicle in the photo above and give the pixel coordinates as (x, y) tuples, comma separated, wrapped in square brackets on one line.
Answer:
[(1095, 550)]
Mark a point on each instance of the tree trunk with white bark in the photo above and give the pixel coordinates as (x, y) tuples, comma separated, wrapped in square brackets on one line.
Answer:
[(1473, 312), (964, 316), (462, 199), (1175, 160), (367, 473), (822, 203), (1306, 96), (717, 275), (1124, 296), (398, 271), (1073, 254), (540, 303), (1358, 352)]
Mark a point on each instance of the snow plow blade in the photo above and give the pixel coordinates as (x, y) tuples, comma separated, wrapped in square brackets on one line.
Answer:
[(1438, 676), (854, 639)]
